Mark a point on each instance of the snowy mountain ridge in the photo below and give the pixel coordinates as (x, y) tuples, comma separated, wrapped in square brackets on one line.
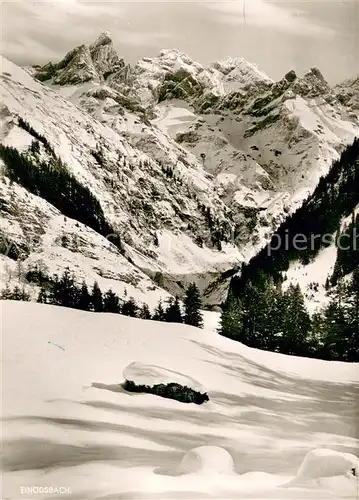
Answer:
[(194, 167), (262, 140)]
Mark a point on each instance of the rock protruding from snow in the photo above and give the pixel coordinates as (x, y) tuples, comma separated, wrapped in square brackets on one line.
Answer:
[(172, 74), (206, 460), (324, 463), (143, 374)]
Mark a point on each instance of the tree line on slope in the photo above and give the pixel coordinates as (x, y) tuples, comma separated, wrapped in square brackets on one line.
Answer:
[(259, 313), (335, 197), (267, 317), (348, 251), (65, 291), (52, 181)]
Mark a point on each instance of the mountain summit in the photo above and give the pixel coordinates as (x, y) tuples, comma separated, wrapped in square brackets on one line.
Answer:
[(84, 63)]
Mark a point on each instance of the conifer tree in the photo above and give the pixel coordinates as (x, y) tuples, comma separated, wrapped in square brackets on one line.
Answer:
[(145, 312), (96, 298), (297, 324), (352, 331), (335, 324), (6, 293), (16, 293), (84, 300), (111, 302), (231, 321), (254, 309), (159, 314), (193, 304), (130, 308), (42, 298), (173, 311), (65, 290), (316, 336)]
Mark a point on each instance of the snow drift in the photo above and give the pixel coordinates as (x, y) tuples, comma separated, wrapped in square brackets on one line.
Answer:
[(206, 460), (67, 422), (143, 374)]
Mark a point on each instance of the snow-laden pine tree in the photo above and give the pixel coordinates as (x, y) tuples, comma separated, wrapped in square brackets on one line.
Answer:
[(145, 312), (231, 321)]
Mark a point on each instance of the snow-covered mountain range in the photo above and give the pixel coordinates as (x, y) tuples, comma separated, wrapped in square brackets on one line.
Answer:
[(193, 167)]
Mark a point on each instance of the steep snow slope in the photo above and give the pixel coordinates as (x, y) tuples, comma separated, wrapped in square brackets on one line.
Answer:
[(312, 277), (67, 422), (49, 241), (126, 172)]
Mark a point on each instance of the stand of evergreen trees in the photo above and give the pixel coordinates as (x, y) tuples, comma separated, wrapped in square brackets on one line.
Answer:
[(257, 311), (266, 317), (347, 250), (52, 181), (16, 293), (65, 291)]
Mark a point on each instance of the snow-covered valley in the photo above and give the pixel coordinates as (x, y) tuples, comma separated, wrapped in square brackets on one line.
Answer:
[(67, 422)]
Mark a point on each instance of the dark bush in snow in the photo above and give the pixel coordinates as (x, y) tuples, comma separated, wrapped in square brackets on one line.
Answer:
[(174, 391)]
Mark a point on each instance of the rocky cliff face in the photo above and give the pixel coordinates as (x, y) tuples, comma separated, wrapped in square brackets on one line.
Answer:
[(84, 63), (348, 94)]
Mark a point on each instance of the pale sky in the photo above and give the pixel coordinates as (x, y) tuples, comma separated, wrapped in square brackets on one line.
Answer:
[(277, 35)]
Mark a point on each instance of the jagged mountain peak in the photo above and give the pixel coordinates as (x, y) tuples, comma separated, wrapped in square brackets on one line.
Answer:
[(104, 55), (312, 84), (290, 76), (173, 53), (238, 72), (84, 63), (172, 60), (105, 38)]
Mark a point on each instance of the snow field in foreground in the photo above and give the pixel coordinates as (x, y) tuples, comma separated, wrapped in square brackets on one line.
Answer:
[(68, 422)]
